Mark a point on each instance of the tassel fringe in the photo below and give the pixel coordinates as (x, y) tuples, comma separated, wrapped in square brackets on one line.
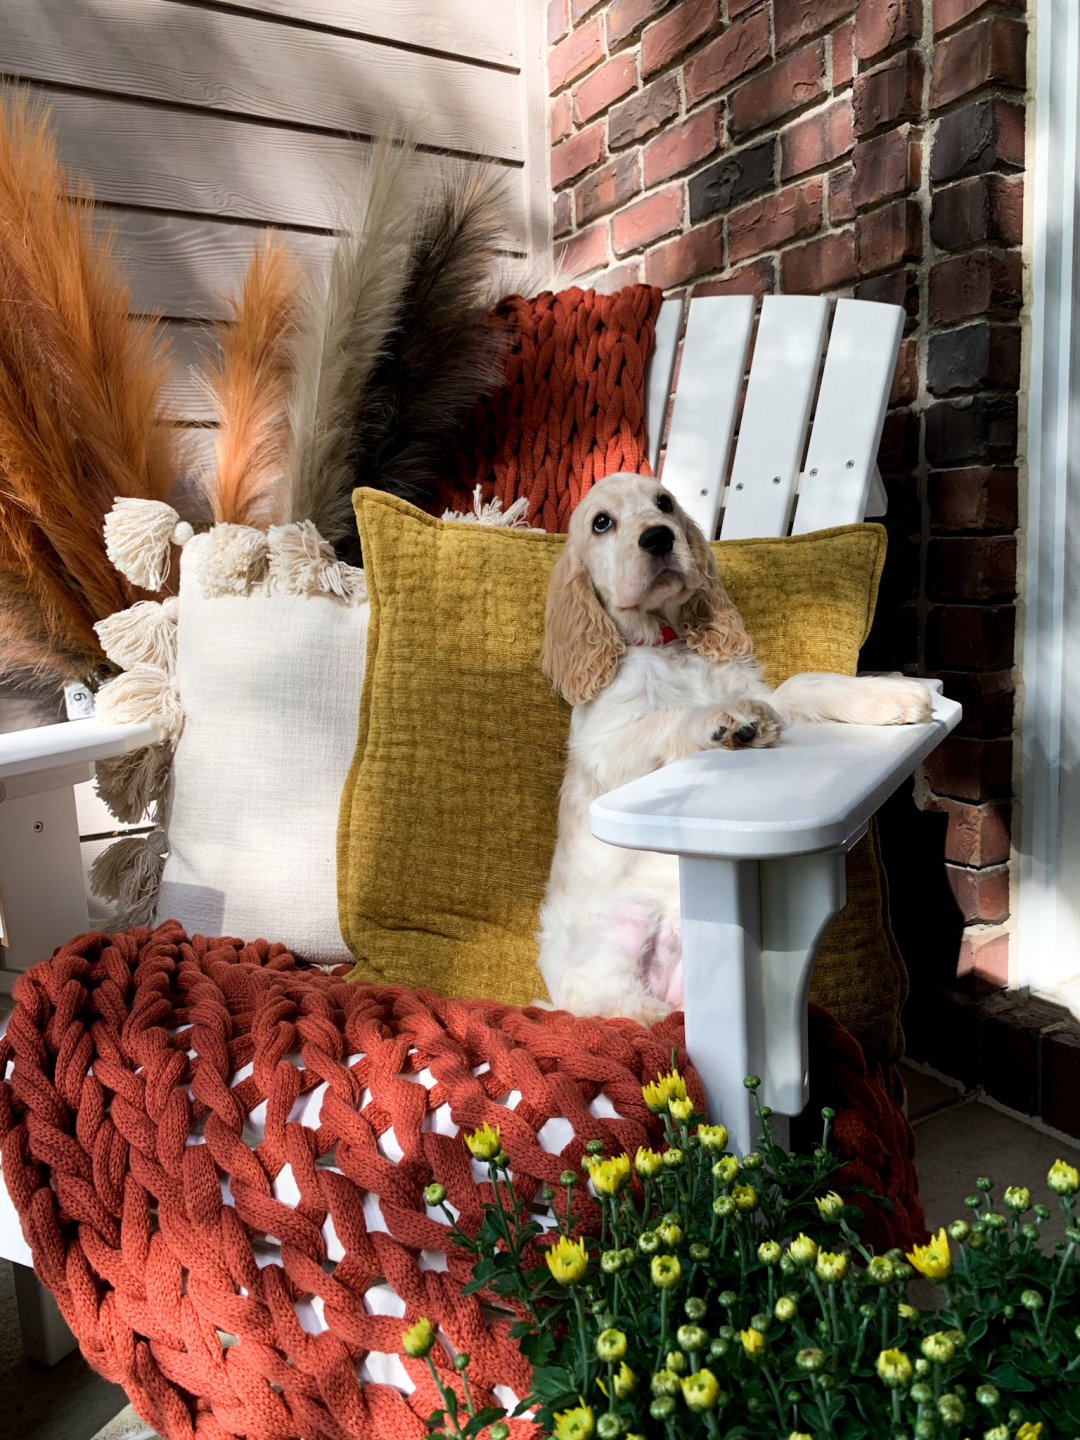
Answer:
[(302, 563), (145, 634), (234, 561), (492, 513), (138, 536), (129, 874), (145, 692), (130, 784)]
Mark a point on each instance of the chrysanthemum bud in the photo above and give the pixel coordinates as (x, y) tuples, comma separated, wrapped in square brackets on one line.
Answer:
[(665, 1382), (665, 1271), (987, 1395), (434, 1194), (726, 1169), (829, 1206), (938, 1348), (831, 1267), (724, 1206), (879, 1271), (699, 1252), (418, 1339), (785, 1308), (694, 1308), (1031, 1300), (611, 1345), (673, 1158), (752, 1160), (803, 1250), (769, 1252), (894, 1368), (810, 1359), (701, 1391), (691, 1338), (959, 1230), (648, 1242), (745, 1197), (1018, 1198), (662, 1408)]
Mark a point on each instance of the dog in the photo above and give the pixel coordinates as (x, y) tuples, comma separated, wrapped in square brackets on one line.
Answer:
[(642, 639)]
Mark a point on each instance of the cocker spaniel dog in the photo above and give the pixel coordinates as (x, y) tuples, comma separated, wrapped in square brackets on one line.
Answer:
[(642, 640)]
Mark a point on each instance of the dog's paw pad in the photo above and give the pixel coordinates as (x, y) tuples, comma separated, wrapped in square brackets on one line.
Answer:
[(746, 733)]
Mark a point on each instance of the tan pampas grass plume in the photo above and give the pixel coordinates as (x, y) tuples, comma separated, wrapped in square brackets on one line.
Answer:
[(251, 385), (81, 386)]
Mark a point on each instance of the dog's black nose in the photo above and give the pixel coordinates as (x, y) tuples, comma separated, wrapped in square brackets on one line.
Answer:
[(657, 540)]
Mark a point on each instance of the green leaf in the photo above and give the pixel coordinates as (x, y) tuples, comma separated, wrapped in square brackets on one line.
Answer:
[(482, 1418), (1007, 1377)]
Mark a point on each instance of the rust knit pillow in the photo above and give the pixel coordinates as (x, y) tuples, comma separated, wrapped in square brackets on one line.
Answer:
[(448, 815), (572, 408)]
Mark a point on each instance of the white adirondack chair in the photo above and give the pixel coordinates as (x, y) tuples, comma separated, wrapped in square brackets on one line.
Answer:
[(761, 835)]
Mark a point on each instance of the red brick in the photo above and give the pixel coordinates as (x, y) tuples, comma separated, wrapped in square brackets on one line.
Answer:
[(580, 51), (577, 154), (650, 219), (610, 82), (843, 62), (562, 214), (976, 834), (561, 117), (557, 20), (888, 236), (668, 38), (841, 205), (980, 894), (981, 208), (726, 59), (774, 220), (985, 959), (888, 165), (624, 17), (991, 52), (610, 186), (977, 567), (580, 8), (584, 252), (630, 272), (988, 698), (796, 19), (825, 264), (968, 769), (757, 278), (888, 94), (959, 636), (900, 288), (948, 13), (644, 112), (884, 24), (905, 384), (983, 282), (975, 498), (698, 252), (683, 146), (737, 7), (785, 86), (816, 140)]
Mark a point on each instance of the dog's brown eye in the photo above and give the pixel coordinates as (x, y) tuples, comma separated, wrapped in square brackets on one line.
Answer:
[(601, 522), (663, 502)]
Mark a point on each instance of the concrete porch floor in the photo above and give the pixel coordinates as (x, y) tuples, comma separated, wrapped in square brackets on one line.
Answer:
[(959, 1137)]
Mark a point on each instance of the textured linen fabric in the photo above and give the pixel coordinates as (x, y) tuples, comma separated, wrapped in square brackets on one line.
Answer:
[(448, 815), (269, 685)]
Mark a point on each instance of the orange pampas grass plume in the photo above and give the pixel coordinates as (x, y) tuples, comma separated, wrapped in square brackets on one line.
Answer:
[(251, 385), (81, 387)]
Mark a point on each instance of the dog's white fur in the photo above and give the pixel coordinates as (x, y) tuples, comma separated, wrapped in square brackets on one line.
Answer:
[(609, 926)]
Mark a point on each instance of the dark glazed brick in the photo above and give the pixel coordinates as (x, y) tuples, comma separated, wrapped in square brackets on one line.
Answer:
[(982, 428), (975, 568), (974, 498), (981, 208), (889, 94), (736, 177), (968, 769), (986, 135), (975, 357), (962, 637), (1061, 1078), (644, 112), (986, 283), (899, 288), (988, 698), (991, 52)]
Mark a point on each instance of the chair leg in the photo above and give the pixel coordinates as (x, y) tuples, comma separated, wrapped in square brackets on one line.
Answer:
[(750, 934), (45, 1335)]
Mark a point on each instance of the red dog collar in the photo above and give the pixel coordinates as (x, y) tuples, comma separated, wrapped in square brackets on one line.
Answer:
[(667, 636)]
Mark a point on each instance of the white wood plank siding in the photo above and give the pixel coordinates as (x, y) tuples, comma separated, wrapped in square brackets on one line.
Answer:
[(481, 31), (242, 65)]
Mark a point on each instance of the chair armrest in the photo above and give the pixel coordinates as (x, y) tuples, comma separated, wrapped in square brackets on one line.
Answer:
[(53, 755), (816, 790)]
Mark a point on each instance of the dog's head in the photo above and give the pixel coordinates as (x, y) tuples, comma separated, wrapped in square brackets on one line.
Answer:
[(634, 561)]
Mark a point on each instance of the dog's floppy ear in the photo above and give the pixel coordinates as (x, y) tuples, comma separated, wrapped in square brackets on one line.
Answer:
[(581, 644), (709, 622)]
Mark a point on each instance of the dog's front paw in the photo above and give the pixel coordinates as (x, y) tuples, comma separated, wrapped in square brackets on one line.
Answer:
[(751, 724), (648, 1010), (894, 700)]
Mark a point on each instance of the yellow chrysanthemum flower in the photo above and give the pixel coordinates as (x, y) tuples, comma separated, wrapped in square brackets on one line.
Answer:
[(610, 1176), (701, 1390), (745, 1197), (623, 1381), (1063, 1179), (1029, 1431), (575, 1424), (894, 1368), (567, 1260), (726, 1169), (1018, 1198), (769, 1252), (663, 1089), (681, 1110), (713, 1137), (418, 1339), (831, 1267), (803, 1250), (933, 1259), (485, 1142), (829, 1206), (665, 1271), (753, 1342), (610, 1345), (648, 1162), (907, 1312)]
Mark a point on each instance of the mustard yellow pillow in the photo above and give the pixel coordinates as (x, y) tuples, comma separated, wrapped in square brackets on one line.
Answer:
[(448, 814)]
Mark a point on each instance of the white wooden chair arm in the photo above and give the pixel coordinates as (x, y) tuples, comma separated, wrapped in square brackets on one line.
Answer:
[(54, 755), (761, 837)]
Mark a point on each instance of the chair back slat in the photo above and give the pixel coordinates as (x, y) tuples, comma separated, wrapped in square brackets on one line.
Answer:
[(706, 402), (772, 432), (661, 374), (849, 415)]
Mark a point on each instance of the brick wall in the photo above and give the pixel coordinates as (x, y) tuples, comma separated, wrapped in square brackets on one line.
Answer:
[(873, 148)]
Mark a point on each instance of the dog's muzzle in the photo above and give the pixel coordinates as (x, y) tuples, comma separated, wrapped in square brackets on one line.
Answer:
[(657, 540)]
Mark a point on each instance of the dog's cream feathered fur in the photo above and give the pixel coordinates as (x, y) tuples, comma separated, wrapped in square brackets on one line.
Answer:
[(634, 563)]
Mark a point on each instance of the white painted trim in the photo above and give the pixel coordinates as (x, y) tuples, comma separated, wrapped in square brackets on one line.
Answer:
[(532, 42), (1047, 929)]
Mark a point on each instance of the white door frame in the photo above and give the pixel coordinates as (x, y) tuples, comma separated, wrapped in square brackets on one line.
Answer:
[(1048, 931)]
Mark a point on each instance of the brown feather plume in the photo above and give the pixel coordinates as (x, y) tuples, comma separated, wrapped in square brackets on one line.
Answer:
[(80, 408), (251, 385)]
